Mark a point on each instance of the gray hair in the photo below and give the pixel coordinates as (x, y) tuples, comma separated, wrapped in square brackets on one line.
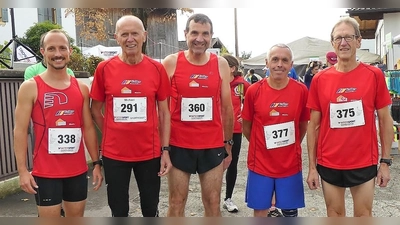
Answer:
[(349, 21), (280, 45)]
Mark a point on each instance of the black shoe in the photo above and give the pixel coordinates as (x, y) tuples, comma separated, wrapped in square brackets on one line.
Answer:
[(275, 213)]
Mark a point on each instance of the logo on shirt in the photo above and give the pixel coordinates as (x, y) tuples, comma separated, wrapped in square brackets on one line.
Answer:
[(194, 84), (126, 90), (51, 98), (341, 98), (279, 105), (198, 76), (131, 82), (274, 113), (69, 112), (346, 90), (60, 122)]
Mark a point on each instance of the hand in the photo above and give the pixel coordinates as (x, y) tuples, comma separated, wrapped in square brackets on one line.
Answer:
[(27, 183), (166, 164), (313, 179), (383, 177), (97, 177)]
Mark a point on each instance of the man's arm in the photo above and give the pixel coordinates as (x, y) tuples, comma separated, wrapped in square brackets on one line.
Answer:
[(226, 107), (165, 131), (386, 136), (90, 136), (97, 114), (23, 110), (169, 64), (312, 140), (303, 129), (246, 128)]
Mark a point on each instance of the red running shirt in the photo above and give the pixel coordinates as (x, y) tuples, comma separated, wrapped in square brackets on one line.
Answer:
[(134, 139), (196, 82), (352, 147), (57, 109)]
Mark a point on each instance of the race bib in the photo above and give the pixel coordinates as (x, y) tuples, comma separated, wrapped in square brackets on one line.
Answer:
[(196, 109), (130, 110), (279, 135), (64, 140), (348, 114)]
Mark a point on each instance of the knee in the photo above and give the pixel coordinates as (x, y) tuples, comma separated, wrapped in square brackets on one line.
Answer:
[(177, 202), (336, 212)]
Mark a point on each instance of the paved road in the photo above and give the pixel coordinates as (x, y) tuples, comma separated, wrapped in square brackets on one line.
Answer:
[(386, 203)]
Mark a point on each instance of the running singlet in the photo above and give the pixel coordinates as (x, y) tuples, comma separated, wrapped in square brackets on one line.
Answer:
[(347, 101), (57, 123), (274, 146), (196, 105), (130, 93)]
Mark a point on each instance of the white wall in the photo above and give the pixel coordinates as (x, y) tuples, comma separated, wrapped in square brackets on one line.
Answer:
[(392, 21), (24, 18), (368, 44)]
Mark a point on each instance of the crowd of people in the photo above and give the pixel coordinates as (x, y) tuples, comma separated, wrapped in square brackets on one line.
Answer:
[(156, 120)]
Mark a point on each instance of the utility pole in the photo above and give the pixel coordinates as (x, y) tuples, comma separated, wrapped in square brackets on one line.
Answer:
[(236, 33)]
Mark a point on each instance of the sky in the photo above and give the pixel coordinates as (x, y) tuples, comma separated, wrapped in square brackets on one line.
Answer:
[(260, 28)]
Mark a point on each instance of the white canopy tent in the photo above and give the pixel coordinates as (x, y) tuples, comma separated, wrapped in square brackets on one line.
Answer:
[(307, 48)]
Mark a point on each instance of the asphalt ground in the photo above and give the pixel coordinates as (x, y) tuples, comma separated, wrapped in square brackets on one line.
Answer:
[(386, 202)]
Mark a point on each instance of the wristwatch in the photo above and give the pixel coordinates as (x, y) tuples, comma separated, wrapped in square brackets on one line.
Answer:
[(387, 161), (165, 148), (229, 142), (98, 162)]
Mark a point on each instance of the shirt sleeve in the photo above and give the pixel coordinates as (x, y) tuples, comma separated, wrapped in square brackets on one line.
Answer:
[(97, 91)]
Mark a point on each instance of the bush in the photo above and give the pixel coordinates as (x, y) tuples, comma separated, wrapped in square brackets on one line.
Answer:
[(80, 62)]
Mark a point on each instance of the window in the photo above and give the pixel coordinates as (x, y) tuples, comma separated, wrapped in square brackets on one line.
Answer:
[(49, 14)]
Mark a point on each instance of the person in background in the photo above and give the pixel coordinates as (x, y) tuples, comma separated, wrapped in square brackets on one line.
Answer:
[(342, 136), (275, 120), (331, 59), (252, 77), (58, 105), (40, 67), (313, 68), (238, 89), (201, 119), (136, 124)]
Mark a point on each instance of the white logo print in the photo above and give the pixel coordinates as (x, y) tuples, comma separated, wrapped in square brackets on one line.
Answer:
[(50, 96)]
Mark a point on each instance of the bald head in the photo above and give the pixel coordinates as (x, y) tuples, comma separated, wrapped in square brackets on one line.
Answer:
[(126, 20)]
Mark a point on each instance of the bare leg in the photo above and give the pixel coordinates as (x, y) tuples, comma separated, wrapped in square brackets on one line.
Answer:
[(334, 200), (178, 185), (211, 184), (74, 209), (363, 196)]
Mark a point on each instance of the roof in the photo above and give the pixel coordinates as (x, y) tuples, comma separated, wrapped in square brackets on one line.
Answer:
[(368, 18), (215, 43)]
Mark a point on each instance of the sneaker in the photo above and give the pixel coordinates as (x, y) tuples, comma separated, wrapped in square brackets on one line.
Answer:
[(230, 206), (275, 213)]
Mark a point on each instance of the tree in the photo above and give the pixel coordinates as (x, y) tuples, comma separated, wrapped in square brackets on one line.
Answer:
[(98, 23), (245, 55), (5, 55), (32, 35)]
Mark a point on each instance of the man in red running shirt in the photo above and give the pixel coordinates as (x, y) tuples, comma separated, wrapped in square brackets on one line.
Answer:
[(275, 121), (341, 136), (58, 105), (136, 123), (201, 118)]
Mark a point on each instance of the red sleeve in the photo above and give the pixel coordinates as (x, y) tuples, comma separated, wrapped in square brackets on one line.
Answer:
[(312, 99), (97, 91), (164, 90), (246, 86), (382, 98)]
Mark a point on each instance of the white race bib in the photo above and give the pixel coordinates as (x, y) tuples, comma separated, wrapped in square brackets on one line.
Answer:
[(348, 114), (64, 140), (128, 110), (196, 109), (279, 135)]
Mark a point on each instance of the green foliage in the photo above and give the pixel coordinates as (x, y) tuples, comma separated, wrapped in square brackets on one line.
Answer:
[(5, 55), (80, 62), (32, 35), (245, 55)]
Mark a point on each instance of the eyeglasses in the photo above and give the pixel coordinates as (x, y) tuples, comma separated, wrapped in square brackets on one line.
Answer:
[(347, 38)]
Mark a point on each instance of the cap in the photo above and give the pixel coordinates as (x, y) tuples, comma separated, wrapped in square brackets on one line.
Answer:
[(331, 57)]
